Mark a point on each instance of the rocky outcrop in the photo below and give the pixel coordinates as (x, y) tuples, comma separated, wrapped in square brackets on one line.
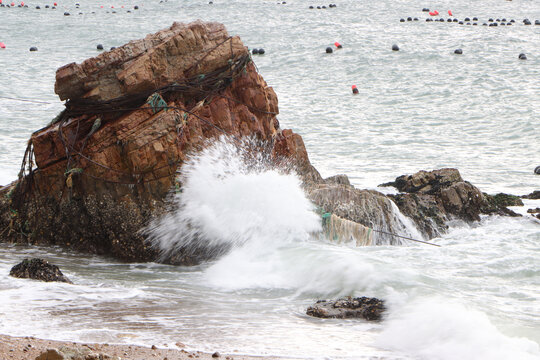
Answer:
[(533, 196), (432, 198), (370, 309), (38, 269), (102, 170)]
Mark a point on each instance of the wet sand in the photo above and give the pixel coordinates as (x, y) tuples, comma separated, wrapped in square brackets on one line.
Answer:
[(23, 348)]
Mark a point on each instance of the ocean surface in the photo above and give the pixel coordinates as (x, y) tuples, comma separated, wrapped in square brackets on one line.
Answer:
[(420, 108)]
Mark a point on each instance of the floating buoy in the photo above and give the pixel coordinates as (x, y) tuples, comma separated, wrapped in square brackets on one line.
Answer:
[(338, 45), (475, 19), (432, 13), (329, 50), (401, 20), (458, 51), (255, 51), (66, 14), (537, 170), (354, 89), (261, 51), (55, 4), (449, 20), (2, 45), (522, 56), (99, 47), (12, 4), (467, 19), (450, 13), (436, 12), (395, 47), (136, 7), (22, 3), (409, 18), (425, 10), (33, 48)]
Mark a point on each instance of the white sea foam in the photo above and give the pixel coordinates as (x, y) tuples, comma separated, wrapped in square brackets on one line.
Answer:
[(438, 329)]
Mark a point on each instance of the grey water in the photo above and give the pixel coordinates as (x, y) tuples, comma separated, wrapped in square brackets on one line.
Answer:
[(422, 107)]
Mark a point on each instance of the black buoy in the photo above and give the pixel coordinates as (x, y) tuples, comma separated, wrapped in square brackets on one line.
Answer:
[(395, 47), (468, 23), (498, 20), (261, 51), (428, 20), (503, 24), (401, 20), (66, 14), (99, 47), (136, 7), (441, 19), (323, 7), (37, 7), (46, 6), (503, 19), (255, 51), (458, 51), (409, 18), (318, 7), (474, 24), (311, 7), (210, 2), (415, 19), (512, 21), (484, 24), (449, 20), (456, 20), (522, 56), (461, 23), (467, 19), (537, 170), (329, 50), (508, 24), (537, 22), (114, 47), (33, 48), (475, 19), (425, 10), (490, 20)]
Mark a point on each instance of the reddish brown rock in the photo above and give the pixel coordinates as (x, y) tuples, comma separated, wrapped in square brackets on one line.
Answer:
[(105, 166)]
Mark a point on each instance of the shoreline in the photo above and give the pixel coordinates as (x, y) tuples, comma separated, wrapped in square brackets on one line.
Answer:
[(29, 347)]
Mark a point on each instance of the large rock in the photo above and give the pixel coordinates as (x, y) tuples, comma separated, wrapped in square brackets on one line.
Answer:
[(432, 198), (104, 168), (348, 308), (38, 269)]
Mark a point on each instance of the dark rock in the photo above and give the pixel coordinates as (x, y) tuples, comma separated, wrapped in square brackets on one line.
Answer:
[(216, 355), (533, 211), (435, 197), (348, 308), (38, 269), (533, 196), (497, 204)]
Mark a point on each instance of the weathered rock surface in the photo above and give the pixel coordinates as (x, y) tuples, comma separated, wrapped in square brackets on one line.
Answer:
[(534, 195), (104, 168), (432, 198), (69, 353), (38, 269), (346, 308)]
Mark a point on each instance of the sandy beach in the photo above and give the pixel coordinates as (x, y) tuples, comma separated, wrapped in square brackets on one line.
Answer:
[(23, 348)]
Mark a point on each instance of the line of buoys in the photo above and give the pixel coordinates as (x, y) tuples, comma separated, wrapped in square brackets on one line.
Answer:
[(354, 89)]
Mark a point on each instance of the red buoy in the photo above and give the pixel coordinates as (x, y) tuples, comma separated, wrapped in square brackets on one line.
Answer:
[(354, 89), (2, 45), (22, 3), (55, 4), (450, 12), (12, 4), (338, 45), (0, 1), (432, 13)]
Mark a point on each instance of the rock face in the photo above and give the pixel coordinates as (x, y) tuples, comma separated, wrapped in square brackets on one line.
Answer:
[(432, 198), (105, 166), (38, 269), (346, 308)]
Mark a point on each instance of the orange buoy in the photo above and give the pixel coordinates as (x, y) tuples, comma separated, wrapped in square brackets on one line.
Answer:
[(450, 13), (338, 45), (354, 89), (2, 45)]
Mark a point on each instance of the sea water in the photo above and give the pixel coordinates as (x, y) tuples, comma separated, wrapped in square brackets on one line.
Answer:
[(476, 297)]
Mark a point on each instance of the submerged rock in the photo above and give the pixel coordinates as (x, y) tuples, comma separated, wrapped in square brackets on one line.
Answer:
[(370, 309), (38, 269)]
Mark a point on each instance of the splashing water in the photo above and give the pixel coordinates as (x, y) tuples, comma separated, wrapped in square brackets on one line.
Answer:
[(228, 199)]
